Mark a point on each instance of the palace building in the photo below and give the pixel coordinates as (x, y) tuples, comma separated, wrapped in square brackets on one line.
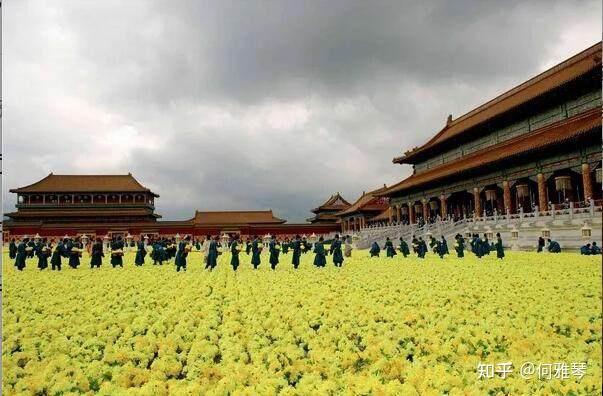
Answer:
[(84, 198), (367, 209), (118, 205), (536, 147), (326, 213)]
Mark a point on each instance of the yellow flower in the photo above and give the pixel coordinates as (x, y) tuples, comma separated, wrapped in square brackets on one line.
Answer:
[(376, 326)]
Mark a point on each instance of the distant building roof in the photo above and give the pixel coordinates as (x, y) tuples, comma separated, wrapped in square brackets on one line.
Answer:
[(236, 217), (335, 202), (552, 78), (84, 183), (368, 201)]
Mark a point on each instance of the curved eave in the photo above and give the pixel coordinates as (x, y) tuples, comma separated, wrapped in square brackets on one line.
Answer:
[(556, 133), (562, 73), (24, 190)]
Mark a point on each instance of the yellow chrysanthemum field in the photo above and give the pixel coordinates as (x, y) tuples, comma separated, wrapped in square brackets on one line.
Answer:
[(376, 326)]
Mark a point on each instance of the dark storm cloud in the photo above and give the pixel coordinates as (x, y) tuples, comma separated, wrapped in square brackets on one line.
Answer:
[(223, 105)]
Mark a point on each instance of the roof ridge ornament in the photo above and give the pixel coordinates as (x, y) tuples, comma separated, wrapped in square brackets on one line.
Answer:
[(449, 120)]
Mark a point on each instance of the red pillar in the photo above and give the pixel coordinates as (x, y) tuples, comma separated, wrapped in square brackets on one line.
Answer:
[(477, 202), (443, 207), (508, 204), (425, 210), (587, 182), (411, 213), (542, 198)]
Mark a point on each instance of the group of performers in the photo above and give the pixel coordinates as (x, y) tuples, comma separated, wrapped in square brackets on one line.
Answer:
[(479, 246), (590, 249), (166, 249)]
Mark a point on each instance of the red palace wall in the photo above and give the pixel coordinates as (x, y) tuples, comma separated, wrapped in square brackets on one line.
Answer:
[(162, 228)]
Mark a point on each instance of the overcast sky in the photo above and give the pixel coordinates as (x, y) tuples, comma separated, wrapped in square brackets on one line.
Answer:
[(257, 105)]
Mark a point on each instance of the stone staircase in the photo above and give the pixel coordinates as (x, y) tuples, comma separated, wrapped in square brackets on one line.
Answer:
[(572, 227)]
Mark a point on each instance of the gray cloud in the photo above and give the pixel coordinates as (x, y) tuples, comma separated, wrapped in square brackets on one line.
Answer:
[(224, 105)]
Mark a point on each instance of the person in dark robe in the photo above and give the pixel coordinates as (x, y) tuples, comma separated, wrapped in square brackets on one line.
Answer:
[(12, 249), (336, 251), (141, 253), (172, 249), (476, 246), (43, 254), (182, 253), (75, 252), (38, 249), (320, 260), (117, 252), (415, 245), (541, 244), (274, 248), (96, 254), (177, 256), (585, 250), (297, 248), (68, 246), (403, 247), (64, 252), (248, 246), (594, 250), (164, 245), (459, 246), (307, 245), (432, 244), (439, 249), (256, 250), (285, 245), (422, 249), (554, 246), (212, 254), (158, 254), (390, 250), (167, 249), (375, 249), (234, 250), (197, 244), (207, 241), (21, 254), (56, 258), (485, 245), (500, 250), (444, 246), (32, 251)]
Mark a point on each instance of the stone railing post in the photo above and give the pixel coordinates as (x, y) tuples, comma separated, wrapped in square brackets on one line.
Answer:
[(536, 211), (571, 210)]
